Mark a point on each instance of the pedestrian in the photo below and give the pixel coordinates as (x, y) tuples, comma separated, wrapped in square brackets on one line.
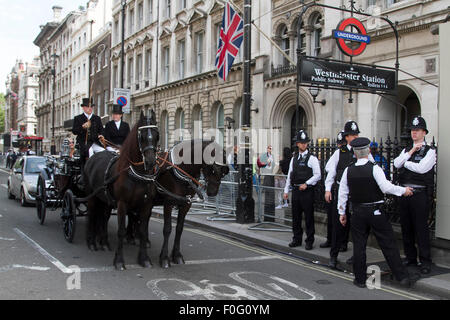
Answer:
[(87, 127), (416, 170), (303, 175), (266, 165), (13, 159), (365, 184), (116, 130), (8, 158), (379, 158), (341, 159), (280, 181), (340, 141)]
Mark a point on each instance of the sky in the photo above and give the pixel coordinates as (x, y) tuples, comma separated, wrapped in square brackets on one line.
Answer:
[(19, 26)]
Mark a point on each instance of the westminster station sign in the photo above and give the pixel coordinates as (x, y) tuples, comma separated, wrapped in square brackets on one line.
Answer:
[(339, 75)]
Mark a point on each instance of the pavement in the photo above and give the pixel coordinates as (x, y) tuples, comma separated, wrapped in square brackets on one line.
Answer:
[(276, 237)]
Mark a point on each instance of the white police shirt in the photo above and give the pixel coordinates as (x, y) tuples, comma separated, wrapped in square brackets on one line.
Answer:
[(312, 163), (331, 166), (385, 185), (425, 165)]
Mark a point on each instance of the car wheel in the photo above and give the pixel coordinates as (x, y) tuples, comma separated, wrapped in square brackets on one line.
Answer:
[(23, 200), (10, 195)]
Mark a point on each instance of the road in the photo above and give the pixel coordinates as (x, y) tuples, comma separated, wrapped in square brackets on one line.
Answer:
[(37, 263)]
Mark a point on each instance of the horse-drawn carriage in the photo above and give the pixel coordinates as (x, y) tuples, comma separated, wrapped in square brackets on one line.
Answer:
[(59, 186)]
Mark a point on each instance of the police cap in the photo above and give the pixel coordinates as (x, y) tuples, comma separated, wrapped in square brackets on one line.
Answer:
[(360, 143)]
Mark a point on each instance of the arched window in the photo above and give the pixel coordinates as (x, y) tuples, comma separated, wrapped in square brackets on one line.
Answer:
[(197, 116), (220, 124), (285, 44), (179, 124), (165, 130), (302, 37), (316, 34)]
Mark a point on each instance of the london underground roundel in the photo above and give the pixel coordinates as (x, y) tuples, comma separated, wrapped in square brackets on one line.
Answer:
[(342, 36)]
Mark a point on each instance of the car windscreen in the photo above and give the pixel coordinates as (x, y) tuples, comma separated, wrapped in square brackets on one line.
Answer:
[(35, 165)]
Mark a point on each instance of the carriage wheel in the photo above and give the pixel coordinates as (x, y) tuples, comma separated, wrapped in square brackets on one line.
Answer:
[(41, 199), (69, 216)]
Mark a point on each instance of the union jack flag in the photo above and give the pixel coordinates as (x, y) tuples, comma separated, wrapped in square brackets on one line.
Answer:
[(230, 40)]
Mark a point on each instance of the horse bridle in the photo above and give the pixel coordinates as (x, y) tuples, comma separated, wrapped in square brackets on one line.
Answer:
[(150, 146)]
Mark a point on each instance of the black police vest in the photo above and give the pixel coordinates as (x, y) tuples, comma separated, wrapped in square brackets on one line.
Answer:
[(410, 177), (346, 158), (362, 185), (300, 170)]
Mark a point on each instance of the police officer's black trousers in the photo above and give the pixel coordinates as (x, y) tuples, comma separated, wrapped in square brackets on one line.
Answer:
[(414, 212), (303, 202), (340, 233), (364, 220), (330, 212)]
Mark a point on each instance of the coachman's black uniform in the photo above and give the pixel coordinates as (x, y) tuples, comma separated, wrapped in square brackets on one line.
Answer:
[(92, 133), (114, 135)]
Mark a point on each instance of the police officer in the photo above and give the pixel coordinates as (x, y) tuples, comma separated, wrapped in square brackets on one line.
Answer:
[(340, 141), (341, 159), (116, 130), (416, 163), (365, 184), (87, 127), (304, 173)]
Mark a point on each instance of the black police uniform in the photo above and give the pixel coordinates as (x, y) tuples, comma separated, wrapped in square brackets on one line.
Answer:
[(366, 198), (302, 201), (92, 133), (329, 206), (341, 233), (114, 135), (414, 210)]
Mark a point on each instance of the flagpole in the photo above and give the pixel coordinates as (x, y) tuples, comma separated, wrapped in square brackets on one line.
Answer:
[(245, 204)]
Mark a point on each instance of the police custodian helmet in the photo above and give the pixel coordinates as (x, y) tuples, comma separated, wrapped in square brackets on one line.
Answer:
[(419, 123), (351, 127), (302, 137)]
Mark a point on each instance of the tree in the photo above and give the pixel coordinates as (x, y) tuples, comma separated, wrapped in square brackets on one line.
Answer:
[(2, 112)]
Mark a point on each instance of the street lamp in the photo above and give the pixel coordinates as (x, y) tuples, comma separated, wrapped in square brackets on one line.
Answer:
[(314, 91), (53, 146)]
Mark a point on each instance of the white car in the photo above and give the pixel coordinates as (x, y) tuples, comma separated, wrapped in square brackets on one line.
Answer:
[(22, 181)]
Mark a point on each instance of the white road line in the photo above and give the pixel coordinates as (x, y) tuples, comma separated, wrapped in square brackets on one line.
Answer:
[(4, 186), (7, 239), (18, 266), (42, 251), (231, 260)]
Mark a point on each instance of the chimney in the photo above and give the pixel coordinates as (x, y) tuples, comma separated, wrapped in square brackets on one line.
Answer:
[(56, 13)]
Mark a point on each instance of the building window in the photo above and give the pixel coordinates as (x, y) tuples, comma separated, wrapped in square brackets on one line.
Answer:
[(181, 58), (220, 124), (115, 74), (165, 130), (148, 66), (140, 15), (106, 57), (138, 70), (179, 124), (99, 63), (84, 39), (284, 44), (130, 71), (131, 22), (166, 58), (199, 51), (84, 71), (106, 98), (316, 34), (168, 7), (149, 11), (181, 4), (116, 31)]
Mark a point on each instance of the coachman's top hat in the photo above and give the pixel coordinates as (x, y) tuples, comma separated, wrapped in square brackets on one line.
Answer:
[(302, 137), (351, 127), (419, 123), (85, 102), (117, 109)]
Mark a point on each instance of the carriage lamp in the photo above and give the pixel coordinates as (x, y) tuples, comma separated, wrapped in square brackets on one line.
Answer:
[(314, 91), (65, 148)]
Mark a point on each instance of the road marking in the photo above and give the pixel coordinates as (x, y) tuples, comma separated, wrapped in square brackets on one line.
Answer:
[(385, 288), (42, 251), (4, 186), (18, 266), (265, 257), (7, 239)]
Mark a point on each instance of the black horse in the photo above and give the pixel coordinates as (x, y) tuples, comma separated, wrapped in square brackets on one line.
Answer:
[(125, 182), (190, 157)]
